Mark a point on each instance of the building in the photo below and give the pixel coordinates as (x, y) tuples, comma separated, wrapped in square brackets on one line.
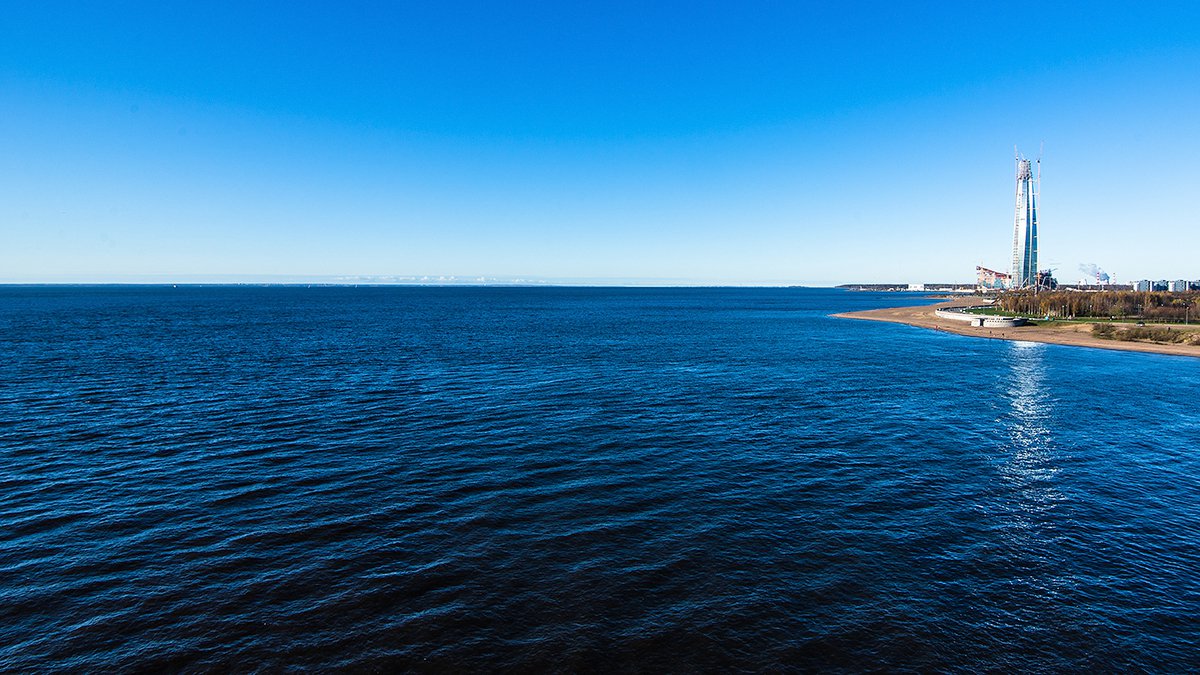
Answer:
[(990, 280), (1177, 286), (1025, 248)]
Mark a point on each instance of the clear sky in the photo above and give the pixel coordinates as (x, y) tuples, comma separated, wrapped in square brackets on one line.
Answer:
[(768, 142)]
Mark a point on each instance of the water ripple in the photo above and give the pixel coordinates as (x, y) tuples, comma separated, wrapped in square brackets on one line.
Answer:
[(579, 479)]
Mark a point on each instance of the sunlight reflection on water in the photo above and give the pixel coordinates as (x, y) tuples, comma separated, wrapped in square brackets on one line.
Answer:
[(1031, 466)]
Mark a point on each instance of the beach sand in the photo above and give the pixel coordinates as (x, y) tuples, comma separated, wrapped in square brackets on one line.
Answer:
[(1078, 335)]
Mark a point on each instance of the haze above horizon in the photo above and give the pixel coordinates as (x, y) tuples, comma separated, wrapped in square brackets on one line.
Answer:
[(807, 143)]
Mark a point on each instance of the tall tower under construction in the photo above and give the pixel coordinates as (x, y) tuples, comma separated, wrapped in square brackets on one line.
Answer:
[(1025, 229)]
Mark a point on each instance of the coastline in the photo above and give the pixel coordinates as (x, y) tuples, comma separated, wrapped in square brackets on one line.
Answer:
[(1074, 335)]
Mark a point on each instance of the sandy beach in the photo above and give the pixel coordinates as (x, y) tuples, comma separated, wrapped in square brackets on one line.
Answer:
[(1078, 335)]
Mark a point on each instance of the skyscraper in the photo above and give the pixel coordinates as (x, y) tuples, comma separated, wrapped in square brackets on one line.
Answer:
[(1025, 250)]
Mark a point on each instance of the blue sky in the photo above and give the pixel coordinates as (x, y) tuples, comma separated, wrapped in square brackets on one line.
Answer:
[(814, 143)]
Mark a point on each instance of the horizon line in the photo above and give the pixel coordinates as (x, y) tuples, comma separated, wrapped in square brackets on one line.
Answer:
[(433, 280)]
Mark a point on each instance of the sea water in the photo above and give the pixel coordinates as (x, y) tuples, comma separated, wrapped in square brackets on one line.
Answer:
[(245, 478)]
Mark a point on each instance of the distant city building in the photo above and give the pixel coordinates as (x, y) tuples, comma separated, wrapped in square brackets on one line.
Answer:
[(1163, 285), (991, 279), (1025, 226)]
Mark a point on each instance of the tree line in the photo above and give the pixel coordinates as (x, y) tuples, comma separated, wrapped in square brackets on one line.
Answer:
[(1144, 305)]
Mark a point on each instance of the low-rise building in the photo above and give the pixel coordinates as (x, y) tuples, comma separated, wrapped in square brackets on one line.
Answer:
[(991, 280)]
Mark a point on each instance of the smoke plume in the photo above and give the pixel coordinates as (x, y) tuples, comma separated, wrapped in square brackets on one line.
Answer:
[(1093, 270)]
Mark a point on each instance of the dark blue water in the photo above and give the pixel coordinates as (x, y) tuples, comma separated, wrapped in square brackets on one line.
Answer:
[(580, 479)]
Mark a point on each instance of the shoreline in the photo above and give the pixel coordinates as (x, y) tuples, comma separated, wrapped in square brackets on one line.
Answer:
[(1072, 335)]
